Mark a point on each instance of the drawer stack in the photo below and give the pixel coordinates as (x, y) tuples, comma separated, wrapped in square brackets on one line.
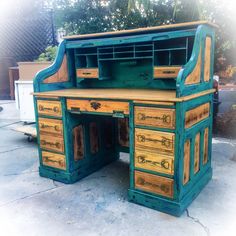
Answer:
[(51, 136), (154, 149)]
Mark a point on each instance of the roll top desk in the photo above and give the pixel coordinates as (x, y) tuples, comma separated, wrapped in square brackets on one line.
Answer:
[(147, 92)]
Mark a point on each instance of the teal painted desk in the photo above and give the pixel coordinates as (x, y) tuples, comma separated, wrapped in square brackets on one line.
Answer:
[(147, 92)]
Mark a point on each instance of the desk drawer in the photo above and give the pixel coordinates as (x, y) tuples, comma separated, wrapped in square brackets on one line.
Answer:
[(51, 126), (52, 143), (154, 162), (87, 73), (54, 160), (156, 117), (98, 106), (162, 142), (154, 184), (166, 72), (50, 108)]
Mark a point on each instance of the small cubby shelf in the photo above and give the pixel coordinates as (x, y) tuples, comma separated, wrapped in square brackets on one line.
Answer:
[(166, 57)]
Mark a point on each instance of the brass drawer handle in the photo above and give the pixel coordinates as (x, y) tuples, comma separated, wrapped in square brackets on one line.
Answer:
[(162, 187), (95, 105), (164, 141), (169, 72), (42, 108), (164, 163), (86, 73), (57, 144), (56, 127), (164, 118)]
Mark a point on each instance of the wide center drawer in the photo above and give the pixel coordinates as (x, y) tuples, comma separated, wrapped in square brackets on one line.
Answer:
[(152, 161), (52, 126), (154, 184), (98, 106), (156, 117), (52, 143), (50, 108), (162, 142)]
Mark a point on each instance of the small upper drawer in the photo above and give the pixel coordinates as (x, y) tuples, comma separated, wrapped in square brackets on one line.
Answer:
[(50, 126), (166, 72), (154, 184), (87, 73), (162, 142), (54, 160), (155, 162), (157, 117), (98, 106), (52, 142), (50, 108)]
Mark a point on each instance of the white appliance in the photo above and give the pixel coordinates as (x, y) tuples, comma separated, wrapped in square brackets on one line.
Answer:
[(24, 100)]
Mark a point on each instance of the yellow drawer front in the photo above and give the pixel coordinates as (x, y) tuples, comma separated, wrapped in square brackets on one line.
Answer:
[(51, 126), (54, 160), (197, 114), (166, 72), (162, 142), (154, 184), (52, 143), (156, 117), (50, 108), (87, 73), (154, 162), (98, 106)]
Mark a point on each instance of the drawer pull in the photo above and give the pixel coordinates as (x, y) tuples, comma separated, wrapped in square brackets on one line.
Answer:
[(169, 72), (162, 187), (164, 141), (86, 73), (57, 145), (164, 118), (56, 127), (95, 105), (42, 108), (48, 159), (164, 163)]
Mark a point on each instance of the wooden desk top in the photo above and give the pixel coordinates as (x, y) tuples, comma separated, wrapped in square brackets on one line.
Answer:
[(121, 94)]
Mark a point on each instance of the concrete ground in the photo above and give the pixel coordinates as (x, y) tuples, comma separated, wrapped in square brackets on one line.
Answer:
[(97, 205)]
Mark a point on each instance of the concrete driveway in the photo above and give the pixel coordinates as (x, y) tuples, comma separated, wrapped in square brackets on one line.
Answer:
[(97, 205)]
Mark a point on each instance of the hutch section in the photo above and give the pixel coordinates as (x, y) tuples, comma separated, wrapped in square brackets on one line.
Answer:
[(146, 92)]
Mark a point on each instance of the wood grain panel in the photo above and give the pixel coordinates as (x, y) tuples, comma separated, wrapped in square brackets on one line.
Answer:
[(197, 114), (78, 142), (207, 58), (94, 137), (61, 75), (123, 132), (186, 162), (154, 184), (50, 108), (161, 142), (51, 126), (197, 153), (98, 106), (155, 162), (54, 160), (87, 73), (205, 147), (166, 72), (195, 76), (156, 117), (52, 142)]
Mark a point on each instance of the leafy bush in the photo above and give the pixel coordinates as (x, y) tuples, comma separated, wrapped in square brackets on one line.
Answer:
[(48, 55)]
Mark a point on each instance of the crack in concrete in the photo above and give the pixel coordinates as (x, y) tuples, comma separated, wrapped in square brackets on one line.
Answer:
[(23, 173), (29, 196), (10, 124), (11, 150), (205, 228)]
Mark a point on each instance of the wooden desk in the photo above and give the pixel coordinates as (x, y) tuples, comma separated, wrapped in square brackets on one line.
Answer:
[(148, 95)]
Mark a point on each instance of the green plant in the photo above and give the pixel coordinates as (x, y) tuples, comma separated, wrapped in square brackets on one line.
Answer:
[(48, 55)]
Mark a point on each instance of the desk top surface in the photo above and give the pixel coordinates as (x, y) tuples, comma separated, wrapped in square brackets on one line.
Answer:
[(121, 94)]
